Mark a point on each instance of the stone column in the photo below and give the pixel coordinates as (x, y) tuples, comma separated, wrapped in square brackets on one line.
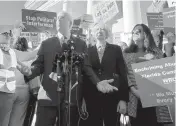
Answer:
[(131, 17), (131, 14), (89, 6), (65, 5)]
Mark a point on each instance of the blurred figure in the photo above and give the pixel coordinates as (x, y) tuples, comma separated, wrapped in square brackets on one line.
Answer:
[(31, 94), (169, 46), (157, 6), (21, 44), (143, 48), (158, 38), (17, 29), (21, 95), (8, 64)]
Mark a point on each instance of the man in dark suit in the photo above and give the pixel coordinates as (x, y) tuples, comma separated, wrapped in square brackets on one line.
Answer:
[(108, 64), (48, 102)]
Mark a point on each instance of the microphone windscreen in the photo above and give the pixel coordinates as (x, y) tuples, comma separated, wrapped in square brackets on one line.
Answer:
[(65, 47)]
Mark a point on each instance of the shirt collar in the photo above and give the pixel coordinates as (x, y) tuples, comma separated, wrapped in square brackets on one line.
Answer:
[(60, 36), (98, 45)]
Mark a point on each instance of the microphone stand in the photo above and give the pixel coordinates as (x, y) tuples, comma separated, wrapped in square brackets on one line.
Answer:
[(59, 89), (65, 64), (68, 86)]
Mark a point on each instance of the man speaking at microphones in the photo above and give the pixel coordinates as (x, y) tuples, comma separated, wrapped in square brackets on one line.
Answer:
[(47, 110)]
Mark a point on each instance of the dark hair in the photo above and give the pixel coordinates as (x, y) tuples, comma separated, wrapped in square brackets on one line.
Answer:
[(23, 44), (151, 44)]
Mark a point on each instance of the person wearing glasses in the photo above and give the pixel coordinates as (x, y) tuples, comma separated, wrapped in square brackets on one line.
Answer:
[(14, 99), (142, 49), (8, 64)]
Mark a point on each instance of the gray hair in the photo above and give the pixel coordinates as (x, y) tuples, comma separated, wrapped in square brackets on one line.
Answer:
[(65, 14), (105, 28)]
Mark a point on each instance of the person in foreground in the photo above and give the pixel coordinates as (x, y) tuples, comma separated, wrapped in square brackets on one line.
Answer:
[(48, 102), (108, 63), (143, 48)]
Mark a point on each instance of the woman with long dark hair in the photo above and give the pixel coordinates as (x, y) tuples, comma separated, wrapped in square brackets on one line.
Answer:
[(141, 49), (29, 97)]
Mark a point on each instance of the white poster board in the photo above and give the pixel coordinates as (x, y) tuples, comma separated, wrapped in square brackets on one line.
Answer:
[(105, 11)]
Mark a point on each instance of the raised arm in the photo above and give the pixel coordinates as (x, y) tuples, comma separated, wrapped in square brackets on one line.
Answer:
[(26, 56), (37, 67)]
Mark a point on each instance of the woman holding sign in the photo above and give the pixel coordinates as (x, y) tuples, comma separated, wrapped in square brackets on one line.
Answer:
[(143, 48)]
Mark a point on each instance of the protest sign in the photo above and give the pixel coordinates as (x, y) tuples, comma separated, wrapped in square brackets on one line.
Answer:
[(171, 3), (156, 81), (39, 21), (105, 11), (34, 38), (169, 19), (155, 21), (76, 27), (86, 21)]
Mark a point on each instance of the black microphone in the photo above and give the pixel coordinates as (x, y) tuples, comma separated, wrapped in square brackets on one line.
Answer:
[(65, 47)]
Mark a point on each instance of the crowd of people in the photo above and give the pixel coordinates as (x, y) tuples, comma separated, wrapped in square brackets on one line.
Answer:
[(106, 83)]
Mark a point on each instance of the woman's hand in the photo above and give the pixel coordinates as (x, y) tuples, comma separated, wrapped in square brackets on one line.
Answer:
[(135, 91), (149, 56)]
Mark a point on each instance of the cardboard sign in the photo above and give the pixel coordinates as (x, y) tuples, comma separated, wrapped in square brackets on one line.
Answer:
[(155, 21), (34, 38), (169, 19), (171, 3), (86, 21), (76, 27), (39, 21), (156, 81), (105, 11)]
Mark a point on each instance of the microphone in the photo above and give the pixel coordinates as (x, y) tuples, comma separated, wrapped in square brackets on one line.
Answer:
[(65, 47)]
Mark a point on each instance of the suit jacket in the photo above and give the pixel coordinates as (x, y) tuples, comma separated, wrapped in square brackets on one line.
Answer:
[(43, 65), (112, 66)]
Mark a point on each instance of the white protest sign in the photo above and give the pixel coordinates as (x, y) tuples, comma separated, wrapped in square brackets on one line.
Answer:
[(171, 3), (105, 11)]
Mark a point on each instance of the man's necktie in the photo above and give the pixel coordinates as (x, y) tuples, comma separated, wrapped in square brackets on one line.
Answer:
[(100, 52)]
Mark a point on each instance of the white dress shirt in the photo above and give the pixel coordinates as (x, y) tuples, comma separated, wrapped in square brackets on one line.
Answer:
[(100, 49)]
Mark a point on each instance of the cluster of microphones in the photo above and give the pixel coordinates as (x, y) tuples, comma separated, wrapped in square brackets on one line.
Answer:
[(69, 56)]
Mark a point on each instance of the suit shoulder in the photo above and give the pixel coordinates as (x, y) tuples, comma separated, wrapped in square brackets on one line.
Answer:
[(115, 46), (79, 41), (49, 40)]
